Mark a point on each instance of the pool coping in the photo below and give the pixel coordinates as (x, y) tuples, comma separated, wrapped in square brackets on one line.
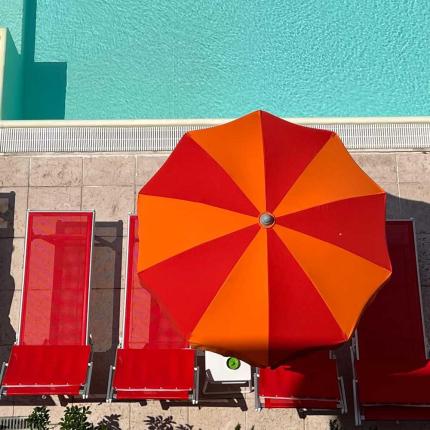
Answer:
[(66, 136), (205, 121)]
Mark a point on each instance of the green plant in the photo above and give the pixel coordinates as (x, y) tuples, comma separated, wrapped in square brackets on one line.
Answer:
[(238, 427), (39, 418), (76, 418)]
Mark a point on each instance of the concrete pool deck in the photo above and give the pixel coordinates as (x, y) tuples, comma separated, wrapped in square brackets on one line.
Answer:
[(109, 182), (53, 165)]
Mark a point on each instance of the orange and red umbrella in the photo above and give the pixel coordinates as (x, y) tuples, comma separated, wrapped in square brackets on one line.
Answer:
[(262, 239)]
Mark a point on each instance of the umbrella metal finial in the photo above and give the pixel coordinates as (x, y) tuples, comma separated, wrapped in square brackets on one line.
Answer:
[(266, 220)]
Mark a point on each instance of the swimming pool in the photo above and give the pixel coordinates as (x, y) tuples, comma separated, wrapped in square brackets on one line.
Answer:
[(209, 58)]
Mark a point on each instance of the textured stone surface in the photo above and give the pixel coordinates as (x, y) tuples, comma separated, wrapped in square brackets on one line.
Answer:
[(425, 296), (393, 201), (110, 202), (413, 167), (117, 414), (54, 198), (109, 170), (146, 167), (20, 208), (269, 419), (318, 422), (107, 268), (10, 304), (423, 248), (104, 328), (380, 167), (14, 171), (415, 203), (216, 417), (56, 171), (11, 263), (104, 318), (6, 408), (139, 414)]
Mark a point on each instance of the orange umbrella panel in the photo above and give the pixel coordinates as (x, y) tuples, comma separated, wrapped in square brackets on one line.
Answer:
[(262, 239)]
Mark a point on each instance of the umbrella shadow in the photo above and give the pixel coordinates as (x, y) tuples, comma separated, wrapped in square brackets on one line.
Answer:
[(419, 211)]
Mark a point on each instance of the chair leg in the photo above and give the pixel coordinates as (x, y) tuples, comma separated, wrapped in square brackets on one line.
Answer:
[(357, 411), (258, 405), (195, 398), (86, 389), (2, 372), (109, 393), (343, 404)]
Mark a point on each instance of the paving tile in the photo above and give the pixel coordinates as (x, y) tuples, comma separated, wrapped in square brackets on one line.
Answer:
[(107, 270), (109, 170), (56, 171), (23, 407), (216, 417), (14, 171), (104, 328), (110, 202), (273, 419), (121, 312), (415, 203), (381, 167), (6, 408), (413, 167), (391, 425), (318, 422), (393, 201), (19, 210), (10, 304), (54, 198), (147, 166), (7, 212), (4, 357), (104, 318), (113, 414), (423, 250), (139, 414), (425, 295), (11, 263)]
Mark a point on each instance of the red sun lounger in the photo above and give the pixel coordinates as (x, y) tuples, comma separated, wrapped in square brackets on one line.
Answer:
[(52, 352), (309, 383), (152, 360), (392, 373)]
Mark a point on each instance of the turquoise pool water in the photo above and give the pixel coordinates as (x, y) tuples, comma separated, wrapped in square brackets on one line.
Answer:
[(208, 58)]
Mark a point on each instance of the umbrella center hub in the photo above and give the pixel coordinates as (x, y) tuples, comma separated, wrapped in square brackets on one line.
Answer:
[(266, 220)]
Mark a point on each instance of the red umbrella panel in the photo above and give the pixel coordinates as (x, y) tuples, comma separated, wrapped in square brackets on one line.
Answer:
[(262, 239)]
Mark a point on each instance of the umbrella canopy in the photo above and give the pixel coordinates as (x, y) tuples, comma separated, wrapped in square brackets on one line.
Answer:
[(262, 239)]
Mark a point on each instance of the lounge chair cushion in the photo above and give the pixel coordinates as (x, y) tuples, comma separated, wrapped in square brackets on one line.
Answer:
[(46, 370), (154, 373), (309, 381), (388, 383)]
